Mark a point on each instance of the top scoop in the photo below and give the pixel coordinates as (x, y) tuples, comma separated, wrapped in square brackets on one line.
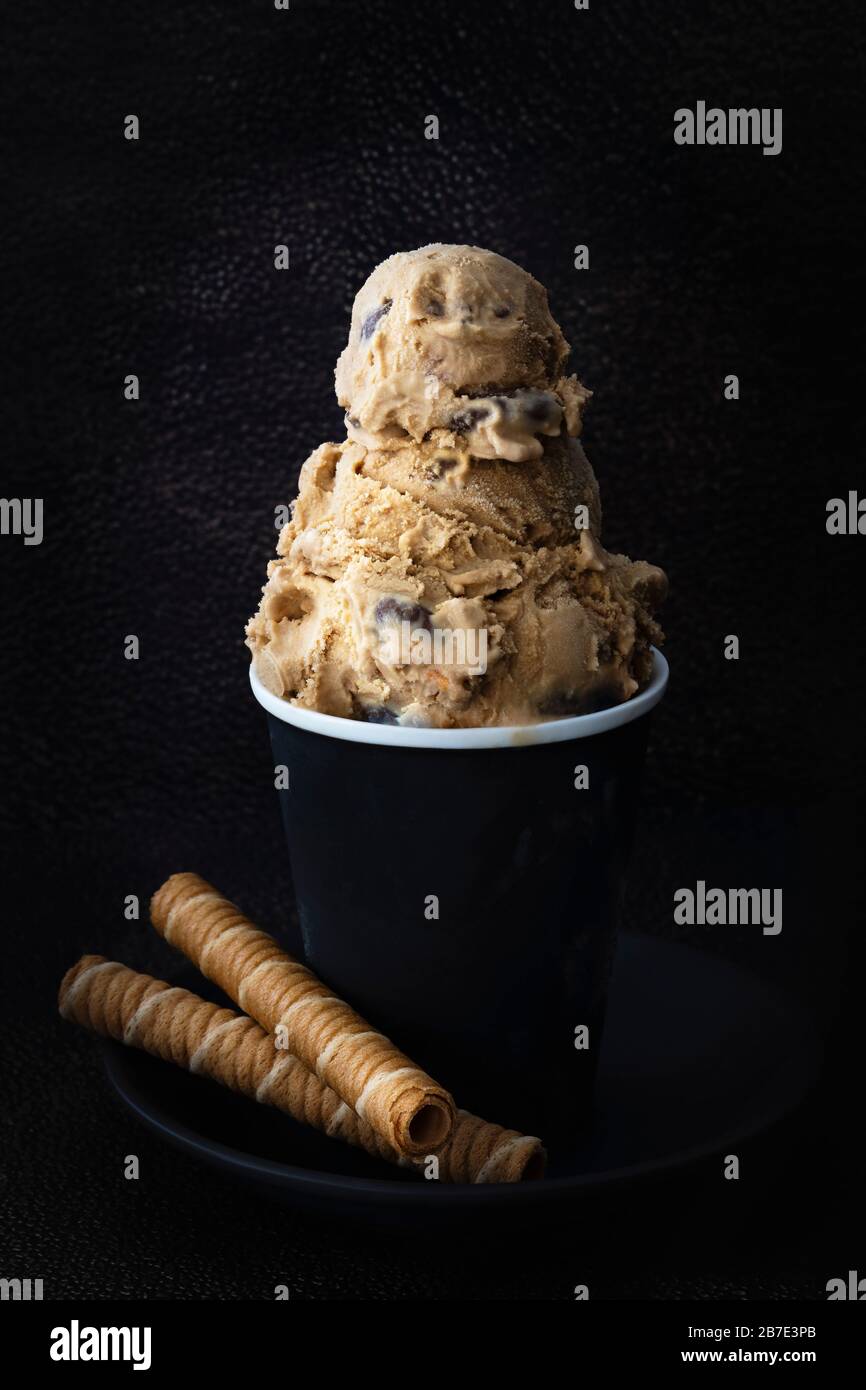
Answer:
[(453, 337), (443, 565)]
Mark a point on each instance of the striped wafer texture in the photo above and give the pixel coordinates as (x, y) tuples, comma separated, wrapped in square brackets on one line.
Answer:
[(176, 1025), (403, 1105)]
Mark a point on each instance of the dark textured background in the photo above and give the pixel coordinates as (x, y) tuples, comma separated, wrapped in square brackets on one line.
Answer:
[(261, 127)]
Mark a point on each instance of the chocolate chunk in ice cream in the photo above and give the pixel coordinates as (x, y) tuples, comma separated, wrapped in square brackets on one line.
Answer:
[(368, 327)]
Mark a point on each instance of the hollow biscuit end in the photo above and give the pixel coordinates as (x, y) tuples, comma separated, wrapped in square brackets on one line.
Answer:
[(430, 1126), (520, 1158), (534, 1167)]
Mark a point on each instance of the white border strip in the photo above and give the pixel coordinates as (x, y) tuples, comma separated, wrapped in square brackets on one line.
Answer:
[(520, 736)]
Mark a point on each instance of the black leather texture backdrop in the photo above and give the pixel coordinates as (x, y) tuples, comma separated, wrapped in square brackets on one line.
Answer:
[(156, 257)]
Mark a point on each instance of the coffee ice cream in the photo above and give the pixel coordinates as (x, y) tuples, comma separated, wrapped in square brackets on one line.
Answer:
[(455, 338), (444, 565)]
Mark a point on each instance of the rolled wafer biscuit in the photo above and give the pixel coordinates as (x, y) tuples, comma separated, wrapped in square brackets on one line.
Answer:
[(404, 1105), (172, 1023)]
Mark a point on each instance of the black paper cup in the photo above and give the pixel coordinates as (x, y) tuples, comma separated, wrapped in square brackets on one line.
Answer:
[(462, 892)]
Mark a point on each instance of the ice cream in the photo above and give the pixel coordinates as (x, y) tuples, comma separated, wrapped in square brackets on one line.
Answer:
[(443, 565), (455, 338)]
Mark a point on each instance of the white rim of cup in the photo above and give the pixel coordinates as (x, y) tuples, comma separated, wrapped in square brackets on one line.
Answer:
[(504, 736)]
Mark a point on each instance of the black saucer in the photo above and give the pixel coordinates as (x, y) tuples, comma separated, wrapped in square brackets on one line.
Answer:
[(698, 1055)]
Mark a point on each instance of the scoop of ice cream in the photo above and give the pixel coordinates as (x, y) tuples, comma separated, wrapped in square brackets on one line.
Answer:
[(454, 337), (421, 585)]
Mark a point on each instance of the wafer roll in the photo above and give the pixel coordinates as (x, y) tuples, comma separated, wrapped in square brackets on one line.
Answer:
[(403, 1105), (172, 1023)]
